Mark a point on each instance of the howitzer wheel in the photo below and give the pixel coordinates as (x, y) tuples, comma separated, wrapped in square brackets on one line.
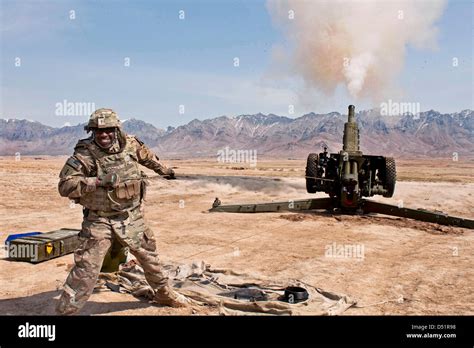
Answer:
[(312, 171), (390, 176)]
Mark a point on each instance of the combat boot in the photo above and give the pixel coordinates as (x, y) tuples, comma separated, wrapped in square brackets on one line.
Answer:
[(168, 297), (64, 308), (67, 304)]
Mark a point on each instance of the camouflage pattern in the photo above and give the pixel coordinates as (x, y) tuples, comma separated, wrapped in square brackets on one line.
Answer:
[(79, 174), (98, 233), (103, 118), (112, 216), (127, 195)]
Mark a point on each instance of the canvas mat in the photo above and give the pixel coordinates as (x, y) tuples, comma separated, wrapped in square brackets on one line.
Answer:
[(229, 292)]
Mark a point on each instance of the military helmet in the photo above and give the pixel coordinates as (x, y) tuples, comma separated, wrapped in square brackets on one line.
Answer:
[(103, 118)]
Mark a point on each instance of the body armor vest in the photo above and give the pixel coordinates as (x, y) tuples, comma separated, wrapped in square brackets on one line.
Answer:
[(129, 193)]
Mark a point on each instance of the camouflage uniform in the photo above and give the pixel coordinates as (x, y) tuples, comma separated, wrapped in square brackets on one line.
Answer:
[(111, 214)]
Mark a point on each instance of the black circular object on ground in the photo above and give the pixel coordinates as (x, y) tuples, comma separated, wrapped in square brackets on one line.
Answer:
[(295, 294)]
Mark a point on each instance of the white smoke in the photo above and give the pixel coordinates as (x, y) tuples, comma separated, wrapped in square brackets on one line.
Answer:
[(359, 44)]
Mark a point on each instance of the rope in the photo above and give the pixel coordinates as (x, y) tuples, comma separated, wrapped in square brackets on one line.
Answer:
[(234, 241), (398, 300), (317, 178)]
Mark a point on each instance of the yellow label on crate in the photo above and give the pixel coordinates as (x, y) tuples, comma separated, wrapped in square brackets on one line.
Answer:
[(49, 248)]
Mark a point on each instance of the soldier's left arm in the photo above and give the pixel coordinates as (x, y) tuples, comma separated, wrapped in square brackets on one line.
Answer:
[(147, 158)]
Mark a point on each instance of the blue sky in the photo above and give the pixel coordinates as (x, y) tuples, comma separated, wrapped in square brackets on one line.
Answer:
[(188, 61)]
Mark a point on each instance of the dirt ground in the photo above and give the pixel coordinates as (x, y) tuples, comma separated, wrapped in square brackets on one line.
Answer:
[(430, 267)]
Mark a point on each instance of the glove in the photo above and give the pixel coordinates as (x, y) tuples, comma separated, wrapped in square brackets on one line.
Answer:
[(111, 180), (169, 175)]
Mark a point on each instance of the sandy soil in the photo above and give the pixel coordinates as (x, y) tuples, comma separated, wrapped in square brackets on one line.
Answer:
[(429, 266)]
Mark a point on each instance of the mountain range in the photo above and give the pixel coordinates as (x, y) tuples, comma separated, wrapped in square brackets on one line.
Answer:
[(429, 134)]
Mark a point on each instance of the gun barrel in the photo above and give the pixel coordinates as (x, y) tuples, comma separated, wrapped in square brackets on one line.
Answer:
[(351, 132), (351, 113)]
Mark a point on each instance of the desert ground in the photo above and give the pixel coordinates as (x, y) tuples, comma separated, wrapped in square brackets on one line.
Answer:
[(428, 266)]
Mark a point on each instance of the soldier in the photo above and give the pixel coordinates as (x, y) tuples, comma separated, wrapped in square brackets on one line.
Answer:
[(104, 177)]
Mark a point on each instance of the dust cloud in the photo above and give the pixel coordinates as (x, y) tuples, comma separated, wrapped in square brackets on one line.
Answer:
[(358, 44)]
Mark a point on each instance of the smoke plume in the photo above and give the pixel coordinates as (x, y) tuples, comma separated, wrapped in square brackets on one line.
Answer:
[(359, 44)]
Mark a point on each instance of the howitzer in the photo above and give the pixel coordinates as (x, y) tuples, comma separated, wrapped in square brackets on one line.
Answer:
[(347, 177)]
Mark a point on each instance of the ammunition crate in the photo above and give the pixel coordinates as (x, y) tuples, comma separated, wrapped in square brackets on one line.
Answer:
[(42, 247)]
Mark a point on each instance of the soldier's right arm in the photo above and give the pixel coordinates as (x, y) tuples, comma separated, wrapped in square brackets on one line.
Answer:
[(76, 176)]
